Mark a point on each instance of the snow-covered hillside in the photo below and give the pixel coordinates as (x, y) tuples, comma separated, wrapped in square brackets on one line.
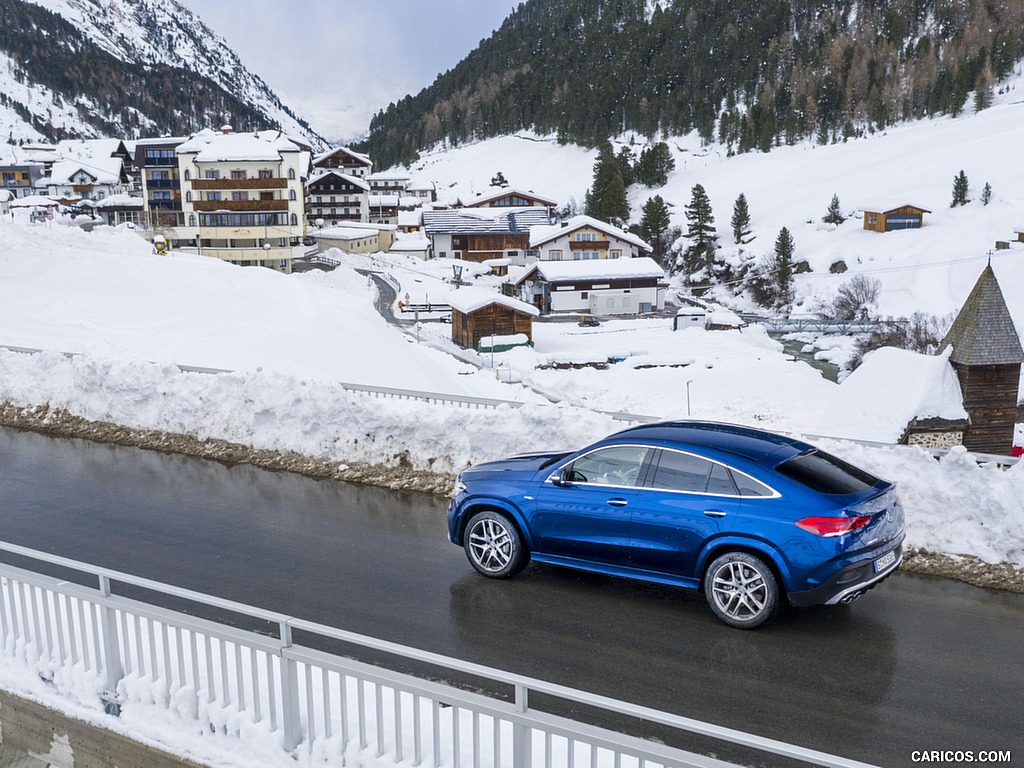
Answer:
[(140, 32), (929, 270)]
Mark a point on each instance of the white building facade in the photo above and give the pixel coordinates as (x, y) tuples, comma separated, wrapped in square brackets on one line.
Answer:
[(242, 196)]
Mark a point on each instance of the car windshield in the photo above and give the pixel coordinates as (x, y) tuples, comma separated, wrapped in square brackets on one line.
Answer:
[(825, 473)]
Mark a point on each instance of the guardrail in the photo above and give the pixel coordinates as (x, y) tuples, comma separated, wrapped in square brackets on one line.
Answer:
[(232, 680), (465, 401)]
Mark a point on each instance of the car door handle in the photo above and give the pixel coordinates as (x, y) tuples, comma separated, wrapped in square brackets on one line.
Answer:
[(618, 502), (714, 513)]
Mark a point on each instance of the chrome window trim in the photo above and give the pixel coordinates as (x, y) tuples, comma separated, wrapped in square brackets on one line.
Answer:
[(558, 470), (773, 495)]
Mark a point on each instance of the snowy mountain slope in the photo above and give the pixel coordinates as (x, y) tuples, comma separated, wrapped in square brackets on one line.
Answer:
[(143, 34), (929, 270)]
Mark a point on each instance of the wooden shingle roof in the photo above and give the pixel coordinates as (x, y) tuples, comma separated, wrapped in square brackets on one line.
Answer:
[(983, 333)]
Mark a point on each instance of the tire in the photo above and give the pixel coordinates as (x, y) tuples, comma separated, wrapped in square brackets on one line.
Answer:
[(494, 546), (741, 590)]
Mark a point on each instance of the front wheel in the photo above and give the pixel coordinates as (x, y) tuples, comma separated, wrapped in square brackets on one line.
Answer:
[(494, 546), (741, 590)]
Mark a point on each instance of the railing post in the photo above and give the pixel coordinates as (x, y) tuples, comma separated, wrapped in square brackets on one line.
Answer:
[(290, 720), (112, 669), (521, 742)]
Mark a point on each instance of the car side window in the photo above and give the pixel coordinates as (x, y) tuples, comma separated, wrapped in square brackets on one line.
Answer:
[(748, 486), (720, 481), (614, 465), (681, 472)]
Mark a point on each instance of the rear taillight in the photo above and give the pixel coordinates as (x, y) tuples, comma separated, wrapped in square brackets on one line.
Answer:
[(833, 526)]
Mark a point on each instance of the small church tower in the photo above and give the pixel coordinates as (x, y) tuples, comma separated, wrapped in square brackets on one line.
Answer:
[(987, 357)]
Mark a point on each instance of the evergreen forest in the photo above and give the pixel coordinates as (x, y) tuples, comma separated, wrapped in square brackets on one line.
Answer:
[(751, 75)]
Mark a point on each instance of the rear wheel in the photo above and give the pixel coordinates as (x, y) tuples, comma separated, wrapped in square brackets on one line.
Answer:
[(494, 546), (741, 590)]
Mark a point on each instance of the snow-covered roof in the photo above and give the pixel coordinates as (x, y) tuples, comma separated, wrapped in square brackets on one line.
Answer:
[(887, 211), (121, 201), (33, 201), (389, 176), (409, 218), (392, 201), (467, 300), (213, 147), (358, 156), (346, 233), (596, 269), (107, 170), (483, 220), (5, 195), (412, 243), (915, 386), (545, 234)]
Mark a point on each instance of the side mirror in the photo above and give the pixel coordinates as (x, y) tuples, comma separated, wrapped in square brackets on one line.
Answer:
[(563, 477)]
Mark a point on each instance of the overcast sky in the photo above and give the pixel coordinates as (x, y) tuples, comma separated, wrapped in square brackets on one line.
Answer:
[(336, 62)]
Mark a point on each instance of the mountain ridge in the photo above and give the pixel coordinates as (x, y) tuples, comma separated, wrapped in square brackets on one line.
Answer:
[(132, 68)]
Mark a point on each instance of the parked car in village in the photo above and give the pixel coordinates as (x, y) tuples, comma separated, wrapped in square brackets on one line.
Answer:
[(749, 517)]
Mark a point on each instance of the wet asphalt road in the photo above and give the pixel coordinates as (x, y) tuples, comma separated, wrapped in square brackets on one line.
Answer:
[(917, 664)]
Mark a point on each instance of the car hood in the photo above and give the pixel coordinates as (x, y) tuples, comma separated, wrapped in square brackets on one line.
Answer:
[(526, 464)]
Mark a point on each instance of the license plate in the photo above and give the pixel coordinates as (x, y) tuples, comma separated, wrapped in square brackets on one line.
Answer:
[(885, 561)]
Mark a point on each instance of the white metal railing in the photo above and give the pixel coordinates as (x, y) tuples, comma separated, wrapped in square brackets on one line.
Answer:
[(235, 682)]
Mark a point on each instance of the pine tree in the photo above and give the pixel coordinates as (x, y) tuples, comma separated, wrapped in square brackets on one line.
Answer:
[(654, 225), (498, 180), (783, 266), (654, 166), (960, 188), (701, 230), (740, 219), (986, 194), (606, 199), (835, 214)]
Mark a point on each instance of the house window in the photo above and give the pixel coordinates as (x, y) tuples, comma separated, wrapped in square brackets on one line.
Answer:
[(295, 219), (192, 220), (212, 173), (160, 175), (586, 237), (161, 195), (266, 174), (188, 175), (238, 175), (291, 173), (556, 255), (213, 195), (291, 194), (616, 253), (188, 197), (239, 196)]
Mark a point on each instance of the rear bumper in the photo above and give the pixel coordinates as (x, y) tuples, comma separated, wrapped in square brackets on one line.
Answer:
[(850, 583)]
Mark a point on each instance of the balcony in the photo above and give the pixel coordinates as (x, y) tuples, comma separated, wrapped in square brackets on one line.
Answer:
[(240, 205), (589, 245), (205, 184)]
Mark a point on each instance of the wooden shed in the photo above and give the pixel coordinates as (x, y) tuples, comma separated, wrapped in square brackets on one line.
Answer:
[(987, 357), (479, 313), (904, 217)]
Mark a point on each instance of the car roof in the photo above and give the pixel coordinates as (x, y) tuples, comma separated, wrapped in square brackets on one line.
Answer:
[(753, 444)]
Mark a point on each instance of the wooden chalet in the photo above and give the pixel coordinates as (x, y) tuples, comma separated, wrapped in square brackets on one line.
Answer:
[(478, 313), (344, 160), (987, 357), (903, 217)]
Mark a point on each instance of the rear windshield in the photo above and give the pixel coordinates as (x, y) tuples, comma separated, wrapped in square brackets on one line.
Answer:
[(824, 473)]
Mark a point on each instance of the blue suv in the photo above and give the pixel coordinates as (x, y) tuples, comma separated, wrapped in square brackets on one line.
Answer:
[(750, 517)]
